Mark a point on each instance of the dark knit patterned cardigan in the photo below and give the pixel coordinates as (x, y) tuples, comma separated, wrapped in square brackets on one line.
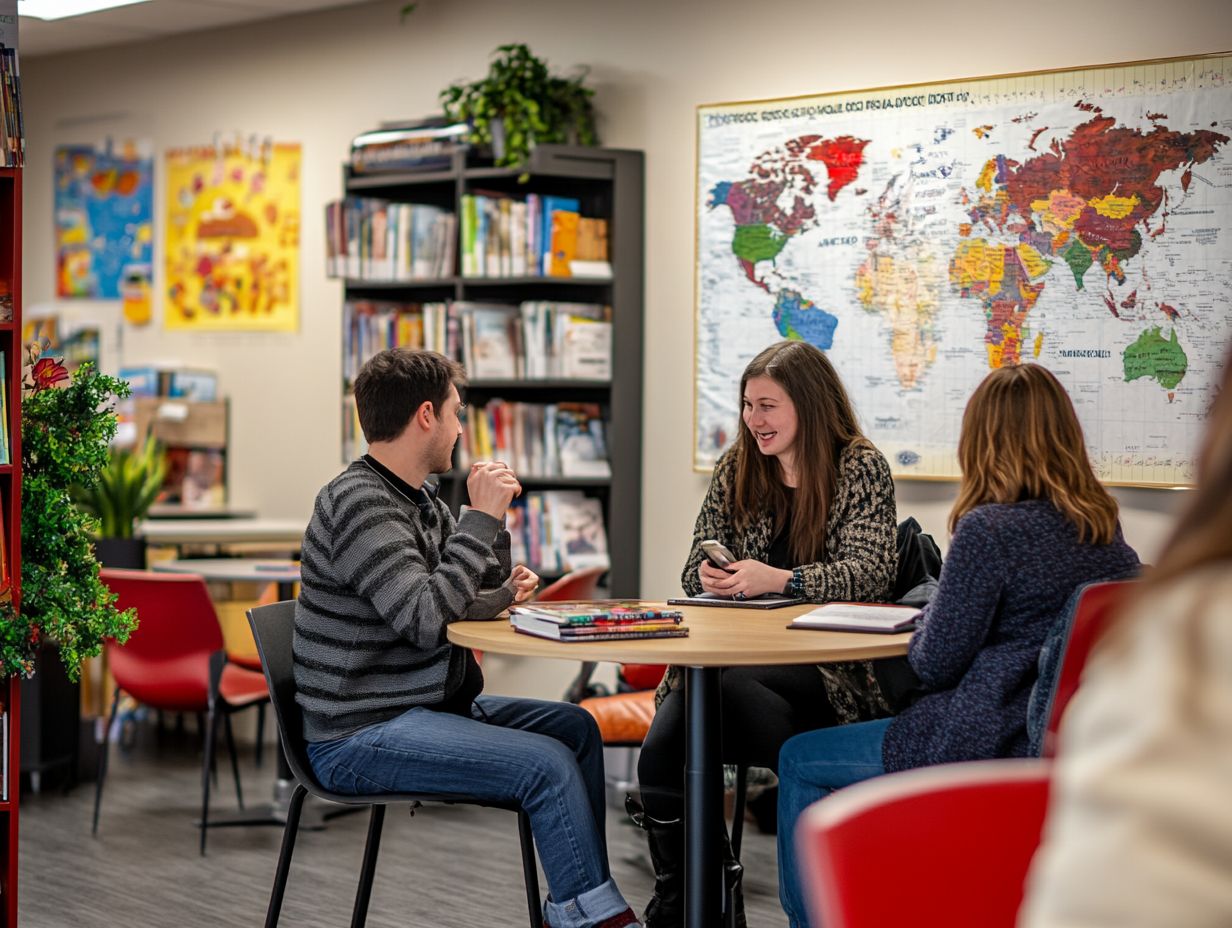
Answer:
[(1006, 578), (382, 577), (860, 565)]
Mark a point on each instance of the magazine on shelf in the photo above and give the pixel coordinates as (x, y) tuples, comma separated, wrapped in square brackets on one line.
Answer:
[(859, 617), (581, 446), (577, 529)]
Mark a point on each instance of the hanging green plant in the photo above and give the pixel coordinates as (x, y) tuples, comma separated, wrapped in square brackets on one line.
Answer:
[(65, 434), (520, 104)]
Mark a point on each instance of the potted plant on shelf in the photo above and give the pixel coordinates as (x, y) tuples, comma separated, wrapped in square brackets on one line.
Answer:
[(520, 104), (121, 497)]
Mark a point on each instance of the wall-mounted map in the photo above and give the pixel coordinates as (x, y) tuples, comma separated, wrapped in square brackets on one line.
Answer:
[(925, 235)]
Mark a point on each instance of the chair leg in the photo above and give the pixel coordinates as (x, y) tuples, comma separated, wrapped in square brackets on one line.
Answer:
[(742, 789), (102, 758), (284, 856), (235, 760), (260, 735), (530, 874), (207, 766), (364, 892)]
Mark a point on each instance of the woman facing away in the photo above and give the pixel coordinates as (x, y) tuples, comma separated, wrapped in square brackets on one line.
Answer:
[(1139, 829), (1031, 524), (806, 503)]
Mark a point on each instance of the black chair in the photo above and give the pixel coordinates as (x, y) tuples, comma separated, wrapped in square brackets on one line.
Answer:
[(272, 628)]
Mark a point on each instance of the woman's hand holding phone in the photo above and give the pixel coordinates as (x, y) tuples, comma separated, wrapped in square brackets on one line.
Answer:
[(752, 578)]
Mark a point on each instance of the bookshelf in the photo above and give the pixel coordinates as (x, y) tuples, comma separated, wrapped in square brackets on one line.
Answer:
[(10, 525), (609, 184)]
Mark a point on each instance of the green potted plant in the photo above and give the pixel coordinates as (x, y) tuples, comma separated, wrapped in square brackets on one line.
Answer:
[(66, 427), (121, 497), (520, 104)]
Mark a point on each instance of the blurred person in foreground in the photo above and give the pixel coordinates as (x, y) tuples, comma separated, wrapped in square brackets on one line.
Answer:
[(1139, 829)]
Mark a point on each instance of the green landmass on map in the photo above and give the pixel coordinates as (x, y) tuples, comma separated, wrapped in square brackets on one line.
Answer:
[(757, 243), (1156, 357), (1079, 260)]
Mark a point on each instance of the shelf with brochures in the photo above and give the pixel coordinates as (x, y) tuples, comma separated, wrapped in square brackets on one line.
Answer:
[(532, 482), (10, 530), (533, 278), (401, 179), (495, 281), (424, 284), (530, 383)]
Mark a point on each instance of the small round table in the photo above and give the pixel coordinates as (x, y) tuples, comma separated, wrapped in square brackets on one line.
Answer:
[(718, 637)]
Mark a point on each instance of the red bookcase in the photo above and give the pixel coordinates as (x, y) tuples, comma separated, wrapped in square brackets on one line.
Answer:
[(10, 522)]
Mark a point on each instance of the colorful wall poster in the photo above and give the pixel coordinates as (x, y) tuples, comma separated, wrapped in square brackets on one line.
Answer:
[(104, 203), (924, 235), (232, 237)]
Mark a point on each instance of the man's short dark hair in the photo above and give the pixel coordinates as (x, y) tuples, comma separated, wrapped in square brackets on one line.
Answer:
[(393, 384)]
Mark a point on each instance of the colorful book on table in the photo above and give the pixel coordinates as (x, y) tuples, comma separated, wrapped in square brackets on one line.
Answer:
[(599, 631), (607, 612)]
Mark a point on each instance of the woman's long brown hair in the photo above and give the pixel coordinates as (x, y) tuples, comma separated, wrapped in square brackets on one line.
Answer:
[(1021, 440), (1203, 534), (826, 425)]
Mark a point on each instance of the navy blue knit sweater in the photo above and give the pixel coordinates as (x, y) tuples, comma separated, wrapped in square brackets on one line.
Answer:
[(1006, 578)]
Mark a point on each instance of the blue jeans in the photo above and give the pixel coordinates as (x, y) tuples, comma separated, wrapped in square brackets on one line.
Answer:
[(811, 766), (546, 755)]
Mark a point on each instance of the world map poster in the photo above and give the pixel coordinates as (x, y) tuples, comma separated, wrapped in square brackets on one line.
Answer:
[(232, 237), (925, 235)]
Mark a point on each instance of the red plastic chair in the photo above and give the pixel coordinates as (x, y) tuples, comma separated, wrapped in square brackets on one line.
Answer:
[(938, 847), (1092, 618), (175, 661)]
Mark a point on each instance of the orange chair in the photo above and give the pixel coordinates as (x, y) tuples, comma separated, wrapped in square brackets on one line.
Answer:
[(938, 847), (175, 661)]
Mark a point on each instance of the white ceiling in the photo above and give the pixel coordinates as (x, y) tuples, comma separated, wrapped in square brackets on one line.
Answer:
[(151, 20)]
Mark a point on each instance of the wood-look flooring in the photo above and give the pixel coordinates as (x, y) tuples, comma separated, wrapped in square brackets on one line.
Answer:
[(447, 866)]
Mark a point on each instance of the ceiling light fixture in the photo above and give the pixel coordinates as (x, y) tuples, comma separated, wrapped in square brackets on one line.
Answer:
[(63, 9)]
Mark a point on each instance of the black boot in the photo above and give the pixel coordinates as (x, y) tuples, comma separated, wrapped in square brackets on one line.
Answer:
[(733, 889), (666, 838)]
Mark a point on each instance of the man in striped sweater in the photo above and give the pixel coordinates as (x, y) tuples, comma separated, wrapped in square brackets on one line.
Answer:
[(389, 704)]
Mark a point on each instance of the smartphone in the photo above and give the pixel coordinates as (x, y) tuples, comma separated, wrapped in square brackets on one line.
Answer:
[(718, 555)]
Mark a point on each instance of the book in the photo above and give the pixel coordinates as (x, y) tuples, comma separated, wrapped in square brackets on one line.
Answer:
[(764, 601), (679, 631), (594, 611), (552, 629), (859, 617), (577, 529)]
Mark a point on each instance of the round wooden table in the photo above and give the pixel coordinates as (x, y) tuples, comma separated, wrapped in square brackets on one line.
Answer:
[(718, 637)]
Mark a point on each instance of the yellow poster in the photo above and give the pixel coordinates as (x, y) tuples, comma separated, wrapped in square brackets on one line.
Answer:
[(232, 229)]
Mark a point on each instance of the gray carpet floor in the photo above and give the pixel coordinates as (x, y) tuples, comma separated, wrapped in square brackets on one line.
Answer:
[(447, 866)]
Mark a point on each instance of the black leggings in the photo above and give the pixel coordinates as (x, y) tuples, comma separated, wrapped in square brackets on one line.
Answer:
[(762, 708)]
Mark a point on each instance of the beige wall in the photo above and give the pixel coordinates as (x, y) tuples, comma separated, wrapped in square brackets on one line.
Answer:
[(319, 79)]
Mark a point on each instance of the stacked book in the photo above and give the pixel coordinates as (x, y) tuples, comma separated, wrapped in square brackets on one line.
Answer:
[(418, 145), (597, 621)]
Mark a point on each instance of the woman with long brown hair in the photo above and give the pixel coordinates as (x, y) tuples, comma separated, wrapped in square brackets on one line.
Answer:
[(806, 504), (1031, 525), (1140, 826)]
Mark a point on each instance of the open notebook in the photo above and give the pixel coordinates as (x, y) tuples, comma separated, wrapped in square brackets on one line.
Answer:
[(859, 617)]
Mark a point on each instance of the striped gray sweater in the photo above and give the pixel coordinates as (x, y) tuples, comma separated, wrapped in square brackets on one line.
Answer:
[(381, 580)]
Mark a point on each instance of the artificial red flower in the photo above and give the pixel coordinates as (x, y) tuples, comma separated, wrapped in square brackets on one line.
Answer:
[(47, 373)]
